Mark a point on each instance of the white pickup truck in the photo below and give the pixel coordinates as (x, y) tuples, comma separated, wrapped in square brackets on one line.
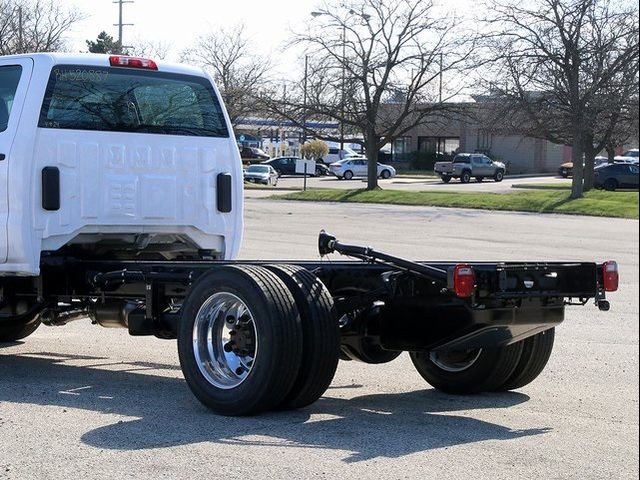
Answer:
[(121, 201)]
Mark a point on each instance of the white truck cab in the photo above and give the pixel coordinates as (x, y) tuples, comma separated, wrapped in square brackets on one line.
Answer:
[(119, 156)]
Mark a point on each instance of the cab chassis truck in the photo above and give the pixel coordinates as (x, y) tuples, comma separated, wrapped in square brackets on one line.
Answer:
[(121, 202)]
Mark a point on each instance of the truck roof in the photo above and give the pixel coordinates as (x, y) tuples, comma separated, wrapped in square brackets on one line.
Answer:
[(100, 60)]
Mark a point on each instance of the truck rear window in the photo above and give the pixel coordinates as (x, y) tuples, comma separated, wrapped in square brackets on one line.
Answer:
[(126, 100)]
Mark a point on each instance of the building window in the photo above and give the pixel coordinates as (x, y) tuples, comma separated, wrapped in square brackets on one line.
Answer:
[(445, 145), (401, 149)]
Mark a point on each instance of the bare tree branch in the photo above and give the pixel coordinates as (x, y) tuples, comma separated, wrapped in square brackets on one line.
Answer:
[(374, 69), (239, 73), (564, 70), (29, 26)]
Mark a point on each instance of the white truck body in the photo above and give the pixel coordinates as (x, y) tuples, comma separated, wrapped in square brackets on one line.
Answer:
[(115, 183)]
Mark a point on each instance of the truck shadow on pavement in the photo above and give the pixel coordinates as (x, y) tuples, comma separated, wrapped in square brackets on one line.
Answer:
[(159, 411)]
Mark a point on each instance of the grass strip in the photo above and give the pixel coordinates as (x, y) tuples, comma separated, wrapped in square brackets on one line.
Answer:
[(595, 203)]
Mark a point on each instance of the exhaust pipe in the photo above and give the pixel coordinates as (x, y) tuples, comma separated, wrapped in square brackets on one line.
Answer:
[(108, 315)]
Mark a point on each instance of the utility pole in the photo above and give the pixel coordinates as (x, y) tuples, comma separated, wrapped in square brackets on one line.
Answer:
[(441, 68), (304, 102), (20, 32), (121, 23), (344, 81)]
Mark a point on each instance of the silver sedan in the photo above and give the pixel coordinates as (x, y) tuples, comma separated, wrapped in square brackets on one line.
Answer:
[(358, 167), (264, 174)]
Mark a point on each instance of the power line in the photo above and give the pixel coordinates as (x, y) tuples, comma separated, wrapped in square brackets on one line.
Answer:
[(121, 23)]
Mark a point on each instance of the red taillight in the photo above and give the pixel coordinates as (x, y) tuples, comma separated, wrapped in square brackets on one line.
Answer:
[(464, 280), (610, 276), (132, 62)]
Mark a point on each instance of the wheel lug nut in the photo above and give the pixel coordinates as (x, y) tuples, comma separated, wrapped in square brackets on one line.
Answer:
[(231, 319), (240, 370), (228, 347)]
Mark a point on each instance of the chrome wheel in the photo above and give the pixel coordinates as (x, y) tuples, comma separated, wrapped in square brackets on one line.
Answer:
[(225, 342), (455, 361)]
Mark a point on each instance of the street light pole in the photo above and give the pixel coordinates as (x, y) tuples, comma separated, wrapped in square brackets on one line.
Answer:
[(344, 79), (304, 100)]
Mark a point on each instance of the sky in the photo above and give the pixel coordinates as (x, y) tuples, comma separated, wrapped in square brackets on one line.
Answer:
[(179, 22)]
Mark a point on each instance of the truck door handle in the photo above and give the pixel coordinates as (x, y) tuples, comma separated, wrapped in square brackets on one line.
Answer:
[(2, 157)]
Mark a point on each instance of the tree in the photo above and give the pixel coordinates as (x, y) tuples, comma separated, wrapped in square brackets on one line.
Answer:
[(568, 71), (150, 49), (314, 149), (375, 68), (105, 43), (30, 26), (239, 73)]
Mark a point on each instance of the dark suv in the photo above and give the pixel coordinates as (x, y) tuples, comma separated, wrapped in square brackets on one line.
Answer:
[(287, 166), (616, 175)]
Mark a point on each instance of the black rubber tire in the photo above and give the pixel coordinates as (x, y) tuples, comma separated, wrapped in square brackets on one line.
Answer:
[(536, 352), (499, 176), (610, 185), (320, 335), (446, 178), (11, 332), (348, 175), (465, 177), (385, 175), (491, 370), (279, 332)]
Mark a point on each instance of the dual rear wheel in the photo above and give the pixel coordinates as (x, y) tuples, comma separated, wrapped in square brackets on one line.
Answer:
[(486, 370), (253, 339)]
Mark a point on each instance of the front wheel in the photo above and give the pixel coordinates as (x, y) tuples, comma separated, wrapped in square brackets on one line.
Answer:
[(19, 322), (499, 176), (465, 177), (386, 174), (240, 340), (12, 331), (469, 371)]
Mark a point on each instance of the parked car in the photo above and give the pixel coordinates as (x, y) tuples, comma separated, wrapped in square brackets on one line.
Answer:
[(253, 153), (467, 165), (264, 174), (358, 167), (287, 166), (566, 169), (630, 156), (617, 175)]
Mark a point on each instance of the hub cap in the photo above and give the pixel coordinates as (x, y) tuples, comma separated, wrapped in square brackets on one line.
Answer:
[(455, 361), (225, 341)]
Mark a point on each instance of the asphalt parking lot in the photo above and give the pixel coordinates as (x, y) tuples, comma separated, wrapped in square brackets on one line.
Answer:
[(84, 402), (418, 183)]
